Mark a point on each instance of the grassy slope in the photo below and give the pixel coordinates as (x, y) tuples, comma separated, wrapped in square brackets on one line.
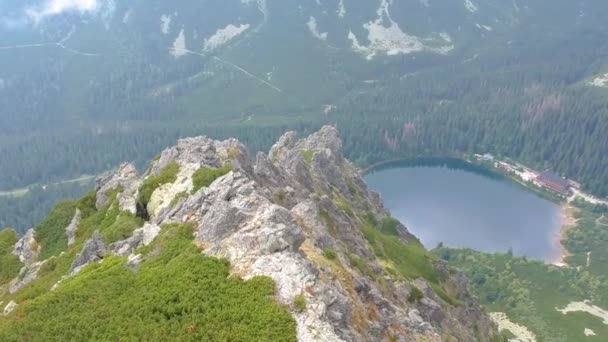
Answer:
[(111, 223), (404, 260), (10, 264), (49, 233), (177, 294)]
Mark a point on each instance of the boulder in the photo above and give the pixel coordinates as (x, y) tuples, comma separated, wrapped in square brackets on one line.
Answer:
[(9, 308), (93, 250), (141, 237), (27, 249), (126, 178), (134, 261)]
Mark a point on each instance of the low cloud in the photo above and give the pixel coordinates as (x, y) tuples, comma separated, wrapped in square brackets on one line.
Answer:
[(51, 8), (43, 9)]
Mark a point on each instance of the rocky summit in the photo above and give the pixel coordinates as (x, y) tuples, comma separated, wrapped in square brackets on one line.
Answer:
[(300, 215)]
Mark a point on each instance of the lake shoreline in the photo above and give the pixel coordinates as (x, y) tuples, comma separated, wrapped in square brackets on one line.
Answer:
[(453, 163), (567, 222)]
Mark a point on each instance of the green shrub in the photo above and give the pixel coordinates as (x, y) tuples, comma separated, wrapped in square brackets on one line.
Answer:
[(176, 295), (415, 295), (166, 176), (112, 223), (389, 226), (411, 260), (9, 264), (343, 205), (86, 204), (233, 152), (122, 228), (362, 265), (308, 155), (279, 196), (299, 302), (50, 233), (204, 176), (370, 218), (329, 253)]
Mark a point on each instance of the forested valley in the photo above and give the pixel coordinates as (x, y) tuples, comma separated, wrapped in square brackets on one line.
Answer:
[(520, 88)]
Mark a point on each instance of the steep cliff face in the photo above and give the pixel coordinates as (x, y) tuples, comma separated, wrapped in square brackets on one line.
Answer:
[(303, 217)]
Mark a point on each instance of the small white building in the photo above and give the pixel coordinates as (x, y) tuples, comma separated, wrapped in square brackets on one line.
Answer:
[(487, 157)]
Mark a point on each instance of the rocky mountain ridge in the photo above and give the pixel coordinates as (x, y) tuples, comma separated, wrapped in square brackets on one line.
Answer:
[(300, 215)]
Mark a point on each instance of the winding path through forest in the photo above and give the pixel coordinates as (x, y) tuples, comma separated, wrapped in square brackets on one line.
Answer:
[(61, 44)]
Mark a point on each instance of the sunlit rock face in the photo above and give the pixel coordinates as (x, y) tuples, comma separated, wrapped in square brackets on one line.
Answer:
[(276, 215)]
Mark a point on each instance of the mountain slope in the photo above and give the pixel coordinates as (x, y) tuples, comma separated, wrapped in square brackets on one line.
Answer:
[(298, 222)]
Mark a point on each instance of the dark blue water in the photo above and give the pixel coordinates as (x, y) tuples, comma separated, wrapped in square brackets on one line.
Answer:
[(464, 207)]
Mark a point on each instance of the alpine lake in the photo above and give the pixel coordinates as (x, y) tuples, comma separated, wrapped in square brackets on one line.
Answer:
[(462, 205)]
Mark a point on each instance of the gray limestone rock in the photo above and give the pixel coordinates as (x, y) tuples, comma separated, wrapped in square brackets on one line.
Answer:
[(134, 261), (149, 233), (221, 219), (141, 237), (125, 178), (306, 214), (126, 247), (204, 151), (27, 249), (327, 137), (70, 230), (197, 150), (277, 219), (9, 308), (27, 275), (94, 249)]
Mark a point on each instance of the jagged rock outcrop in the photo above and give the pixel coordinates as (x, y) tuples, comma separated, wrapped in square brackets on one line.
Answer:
[(71, 229), (276, 215), (94, 249), (27, 275), (125, 178), (27, 249), (141, 237), (191, 154), (297, 215)]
